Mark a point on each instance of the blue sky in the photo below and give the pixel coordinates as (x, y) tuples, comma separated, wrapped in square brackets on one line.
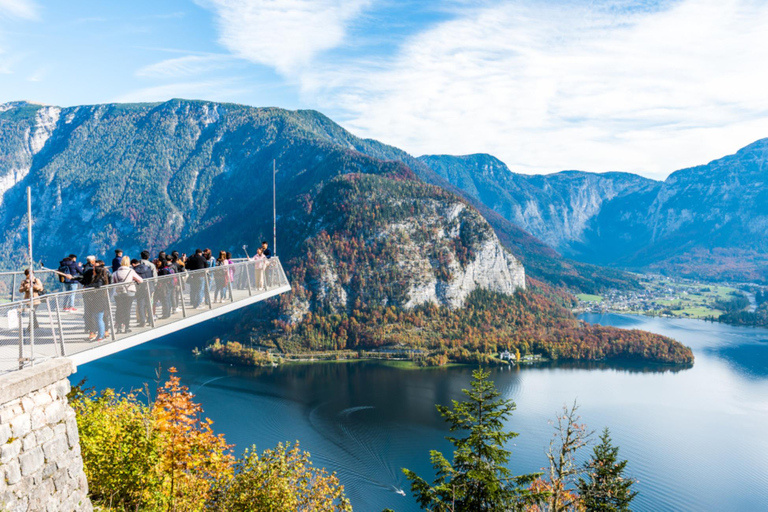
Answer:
[(600, 85)]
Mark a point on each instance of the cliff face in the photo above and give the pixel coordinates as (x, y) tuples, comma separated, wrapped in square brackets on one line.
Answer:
[(556, 208), (384, 240), (24, 130), (707, 221)]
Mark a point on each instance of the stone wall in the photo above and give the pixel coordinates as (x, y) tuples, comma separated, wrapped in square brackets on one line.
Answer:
[(41, 468)]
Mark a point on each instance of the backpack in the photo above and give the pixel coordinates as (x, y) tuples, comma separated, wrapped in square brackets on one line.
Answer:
[(63, 270), (144, 271)]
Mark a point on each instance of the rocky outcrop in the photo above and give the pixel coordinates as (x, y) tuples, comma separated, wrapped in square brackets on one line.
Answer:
[(414, 244), (22, 139)]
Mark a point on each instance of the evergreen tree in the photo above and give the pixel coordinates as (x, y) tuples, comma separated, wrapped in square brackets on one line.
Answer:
[(606, 489), (478, 479)]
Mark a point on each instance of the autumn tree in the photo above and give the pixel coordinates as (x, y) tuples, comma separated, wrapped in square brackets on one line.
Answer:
[(569, 437), (193, 458), (605, 488), (477, 479), (280, 479)]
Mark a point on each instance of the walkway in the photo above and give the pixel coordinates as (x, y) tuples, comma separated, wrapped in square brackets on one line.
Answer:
[(189, 298)]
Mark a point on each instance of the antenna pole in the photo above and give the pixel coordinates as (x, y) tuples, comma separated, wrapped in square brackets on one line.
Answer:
[(31, 279), (274, 210)]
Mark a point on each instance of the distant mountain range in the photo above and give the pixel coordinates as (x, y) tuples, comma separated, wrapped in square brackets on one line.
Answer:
[(708, 221)]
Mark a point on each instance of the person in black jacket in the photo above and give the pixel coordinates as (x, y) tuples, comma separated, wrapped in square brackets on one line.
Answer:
[(73, 273), (117, 259), (265, 249), (98, 302), (196, 262), (144, 292)]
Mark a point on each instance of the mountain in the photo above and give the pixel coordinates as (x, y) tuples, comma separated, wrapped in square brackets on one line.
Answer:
[(365, 241), (707, 221)]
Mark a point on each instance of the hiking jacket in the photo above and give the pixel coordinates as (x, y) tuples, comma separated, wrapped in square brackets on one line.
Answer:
[(73, 268)]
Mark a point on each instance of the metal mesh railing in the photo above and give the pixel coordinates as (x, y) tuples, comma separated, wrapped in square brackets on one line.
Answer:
[(65, 323), (10, 282)]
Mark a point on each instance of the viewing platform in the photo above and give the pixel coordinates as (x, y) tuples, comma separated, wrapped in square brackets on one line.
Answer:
[(188, 298)]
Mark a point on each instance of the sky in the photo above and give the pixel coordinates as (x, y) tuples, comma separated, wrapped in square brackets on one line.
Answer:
[(648, 86)]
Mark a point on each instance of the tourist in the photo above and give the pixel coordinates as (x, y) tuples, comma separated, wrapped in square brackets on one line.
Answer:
[(265, 249), (26, 287), (221, 277), (89, 262), (211, 263), (165, 289), (117, 260), (125, 294), (178, 264), (144, 292), (70, 273), (260, 266), (88, 270), (145, 261), (196, 291), (97, 301)]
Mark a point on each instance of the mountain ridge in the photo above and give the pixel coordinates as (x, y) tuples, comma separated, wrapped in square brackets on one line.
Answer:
[(706, 221)]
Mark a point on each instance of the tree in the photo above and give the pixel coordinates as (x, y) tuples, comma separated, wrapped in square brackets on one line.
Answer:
[(193, 458), (280, 479), (606, 489), (569, 437), (478, 479)]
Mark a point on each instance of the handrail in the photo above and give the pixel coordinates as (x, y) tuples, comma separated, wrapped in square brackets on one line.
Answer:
[(119, 285), (86, 323)]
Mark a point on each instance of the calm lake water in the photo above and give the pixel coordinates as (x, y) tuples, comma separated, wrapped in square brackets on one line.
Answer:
[(696, 438)]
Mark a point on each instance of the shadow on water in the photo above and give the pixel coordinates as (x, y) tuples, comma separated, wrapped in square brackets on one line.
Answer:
[(628, 366)]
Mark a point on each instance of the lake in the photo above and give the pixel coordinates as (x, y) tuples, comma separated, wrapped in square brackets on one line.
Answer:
[(695, 438)]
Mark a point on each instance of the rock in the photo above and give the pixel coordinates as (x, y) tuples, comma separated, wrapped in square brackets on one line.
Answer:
[(12, 472), (21, 425), (31, 461), (9, 451)]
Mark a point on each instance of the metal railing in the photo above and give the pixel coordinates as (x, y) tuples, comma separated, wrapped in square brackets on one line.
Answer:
[(65, 323)]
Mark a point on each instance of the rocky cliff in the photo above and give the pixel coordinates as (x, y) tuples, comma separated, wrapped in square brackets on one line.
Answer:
[(707, 221)]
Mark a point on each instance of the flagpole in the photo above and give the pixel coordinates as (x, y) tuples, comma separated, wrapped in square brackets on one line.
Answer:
[(31, 281), (274, 211)]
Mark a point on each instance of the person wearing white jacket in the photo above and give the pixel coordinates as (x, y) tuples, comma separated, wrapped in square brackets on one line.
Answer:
[(124, 294)]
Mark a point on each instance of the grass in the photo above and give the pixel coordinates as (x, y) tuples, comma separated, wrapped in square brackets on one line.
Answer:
[(586, 297)]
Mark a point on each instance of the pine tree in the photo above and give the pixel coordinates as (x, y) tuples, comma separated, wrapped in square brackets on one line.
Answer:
[(606, 489), (477, 480)]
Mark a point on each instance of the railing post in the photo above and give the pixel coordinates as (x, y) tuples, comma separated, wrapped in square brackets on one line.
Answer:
[(32, 332), (21, 337), (58, 320), (180, 291), (111, 317), (207, 290), (151, 306), (53, 329), (13, 289), (248, 279)]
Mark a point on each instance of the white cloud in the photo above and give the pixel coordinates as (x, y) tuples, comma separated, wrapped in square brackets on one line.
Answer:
[(614, 85), (284, 34), (184, 66), (24, 9), (547, 88)]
